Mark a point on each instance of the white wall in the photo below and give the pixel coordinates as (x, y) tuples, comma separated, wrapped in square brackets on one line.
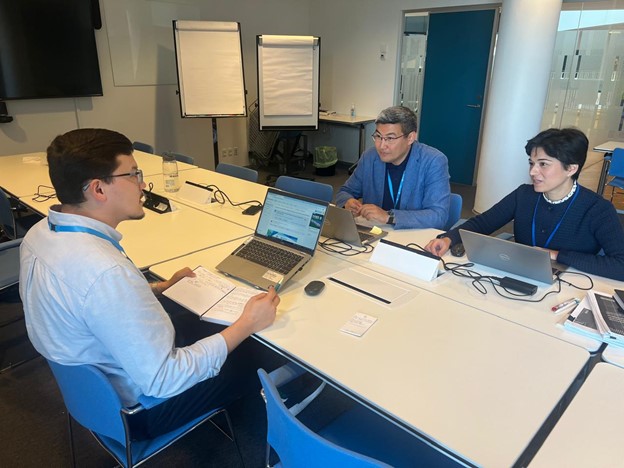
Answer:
[(282, 17), (151, 113), (351, 33)]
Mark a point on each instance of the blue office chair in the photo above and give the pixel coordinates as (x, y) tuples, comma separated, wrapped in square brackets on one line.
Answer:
[(239, 172), (455, 208), (356, 438), (295, 444), (181, 157), (9, 273), (9, 276), (12, 225), (7, 219), (9, 263), (93, 402), (616, 170), (307, 188), (146, 148)]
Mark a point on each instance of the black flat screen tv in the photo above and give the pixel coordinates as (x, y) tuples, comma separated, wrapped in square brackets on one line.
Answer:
[(48, 50)]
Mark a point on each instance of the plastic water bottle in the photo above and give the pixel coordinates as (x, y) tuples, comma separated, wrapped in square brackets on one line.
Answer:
[(352, 110), (170, 173)]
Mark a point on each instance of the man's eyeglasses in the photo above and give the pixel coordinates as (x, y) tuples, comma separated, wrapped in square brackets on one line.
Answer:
[(377, 138), (138, 173)]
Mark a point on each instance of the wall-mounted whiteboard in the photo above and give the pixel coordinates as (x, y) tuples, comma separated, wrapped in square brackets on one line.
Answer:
[(209, 60), (288, 82)]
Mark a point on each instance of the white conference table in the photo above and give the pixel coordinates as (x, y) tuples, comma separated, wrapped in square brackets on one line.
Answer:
[(590, 432), (151, 164), (606, 148), (359, 122), (613, 355), (237, 190), (536, 316), (160, 237), (21, 174), (476, 386)]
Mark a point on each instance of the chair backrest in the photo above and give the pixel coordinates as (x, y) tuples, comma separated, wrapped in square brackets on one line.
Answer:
[(616, 168), (296, 444), (181, 157), (90, 399), (139, 145), (455, 208), (9, 263), (7, 220), (307, 188), (240, 172)]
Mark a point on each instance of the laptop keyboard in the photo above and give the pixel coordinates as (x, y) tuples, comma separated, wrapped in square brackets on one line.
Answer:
[(365, 236), (270, 256), (364, 233)]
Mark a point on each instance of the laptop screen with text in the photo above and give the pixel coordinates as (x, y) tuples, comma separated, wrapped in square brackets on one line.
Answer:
[(291, 220)]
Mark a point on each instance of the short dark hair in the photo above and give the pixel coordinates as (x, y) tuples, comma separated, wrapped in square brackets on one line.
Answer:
[(80, 155), (399, 115), (568, 145)]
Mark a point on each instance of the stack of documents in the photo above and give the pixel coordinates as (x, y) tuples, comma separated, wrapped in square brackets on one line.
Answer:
[(598, 316)]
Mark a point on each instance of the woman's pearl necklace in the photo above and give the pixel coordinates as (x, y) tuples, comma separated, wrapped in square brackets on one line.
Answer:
[(564, 199)]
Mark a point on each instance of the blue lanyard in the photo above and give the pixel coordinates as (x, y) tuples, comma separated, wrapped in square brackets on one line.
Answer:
[(552, 234), (93, 232), (395, 201)]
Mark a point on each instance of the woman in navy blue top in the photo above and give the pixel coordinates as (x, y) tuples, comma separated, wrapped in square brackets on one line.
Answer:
[(579, 227)]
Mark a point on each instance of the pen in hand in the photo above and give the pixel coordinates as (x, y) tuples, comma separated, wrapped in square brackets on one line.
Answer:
[(566, 304)]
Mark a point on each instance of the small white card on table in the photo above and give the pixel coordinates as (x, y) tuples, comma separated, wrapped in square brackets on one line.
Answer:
[(358, 324)]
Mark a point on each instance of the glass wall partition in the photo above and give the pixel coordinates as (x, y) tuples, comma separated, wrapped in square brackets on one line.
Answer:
[(586, 82), (414, 47)]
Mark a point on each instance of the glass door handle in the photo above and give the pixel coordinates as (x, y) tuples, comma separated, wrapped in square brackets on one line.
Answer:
[(476, 106)]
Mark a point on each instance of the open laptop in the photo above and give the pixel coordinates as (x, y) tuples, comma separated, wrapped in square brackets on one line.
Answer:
[(340, 224), (285, 239), (517, 259)]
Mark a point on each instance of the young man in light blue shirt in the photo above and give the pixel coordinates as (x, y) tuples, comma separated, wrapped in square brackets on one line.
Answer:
[(85, 302)]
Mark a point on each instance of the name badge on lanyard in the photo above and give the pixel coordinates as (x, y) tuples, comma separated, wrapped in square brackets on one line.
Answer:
[(93, 232), (395, 198), (552, 234)]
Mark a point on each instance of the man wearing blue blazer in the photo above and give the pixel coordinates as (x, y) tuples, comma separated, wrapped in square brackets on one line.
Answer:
[(399, 182)]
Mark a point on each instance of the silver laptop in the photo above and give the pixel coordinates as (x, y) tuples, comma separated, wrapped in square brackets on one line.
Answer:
[(517, 259), (285, 239), (340, 224)]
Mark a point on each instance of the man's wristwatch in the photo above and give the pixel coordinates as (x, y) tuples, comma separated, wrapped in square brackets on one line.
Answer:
[(391, 217)]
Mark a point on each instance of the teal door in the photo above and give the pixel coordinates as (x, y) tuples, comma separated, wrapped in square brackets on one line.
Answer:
[(458, 51)]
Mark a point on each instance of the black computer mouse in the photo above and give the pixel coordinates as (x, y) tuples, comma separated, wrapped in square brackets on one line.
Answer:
[(313, 288), (458, 250)]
